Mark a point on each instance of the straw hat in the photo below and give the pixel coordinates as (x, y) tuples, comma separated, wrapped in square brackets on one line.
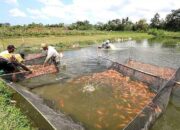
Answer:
[(43, 45)]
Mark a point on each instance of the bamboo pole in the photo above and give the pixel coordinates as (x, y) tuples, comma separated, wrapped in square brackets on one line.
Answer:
[(9, 74)]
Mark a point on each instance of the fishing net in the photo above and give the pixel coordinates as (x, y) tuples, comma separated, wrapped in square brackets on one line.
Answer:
[(140, 115), (162, 72), (130, 80), (34, 59), (145, 119), (69, 68), (38, 71), (121, 93), (154, 76)]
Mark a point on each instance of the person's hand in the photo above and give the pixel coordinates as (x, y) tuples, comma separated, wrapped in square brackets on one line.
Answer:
[(13, 59), (61, 55), (45, 64), (30, 72)]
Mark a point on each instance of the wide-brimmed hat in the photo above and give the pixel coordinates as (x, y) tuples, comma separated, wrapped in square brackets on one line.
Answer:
[(43, 45)]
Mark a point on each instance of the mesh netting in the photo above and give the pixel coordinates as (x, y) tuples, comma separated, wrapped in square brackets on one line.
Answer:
[(69, 68), (36, 78), (161, 82), (34, 59), (155, 108), (153, 81), (163, 72)]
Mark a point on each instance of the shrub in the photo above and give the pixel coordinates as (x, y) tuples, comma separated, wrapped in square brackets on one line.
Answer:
[(156, 32)]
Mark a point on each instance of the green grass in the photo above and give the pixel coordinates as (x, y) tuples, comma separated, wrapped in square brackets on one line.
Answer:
[(163, 33), (43, 31), (11, 117), (173, 34), (66, 42)]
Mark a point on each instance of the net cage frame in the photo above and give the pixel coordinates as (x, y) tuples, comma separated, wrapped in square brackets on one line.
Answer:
[(154, 82), (162, 88), (20, 76), (152, 111)]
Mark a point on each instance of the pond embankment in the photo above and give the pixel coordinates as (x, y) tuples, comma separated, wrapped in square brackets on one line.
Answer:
[(10, 116)]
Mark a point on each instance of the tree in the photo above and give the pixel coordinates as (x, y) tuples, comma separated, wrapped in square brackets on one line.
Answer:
[(172, 21), (141, 25), (5, 24), (119, 25), (155, 22), (99, 26), (32, 25), (80, 25)]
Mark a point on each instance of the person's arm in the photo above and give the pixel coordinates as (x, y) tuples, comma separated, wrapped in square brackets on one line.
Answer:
[(49, 55), (61, 55), (24, 67)]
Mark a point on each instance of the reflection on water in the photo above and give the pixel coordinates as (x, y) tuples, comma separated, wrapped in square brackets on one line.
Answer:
[(86, 61)]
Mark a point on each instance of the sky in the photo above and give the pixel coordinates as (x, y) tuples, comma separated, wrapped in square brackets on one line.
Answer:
[(69, 11)]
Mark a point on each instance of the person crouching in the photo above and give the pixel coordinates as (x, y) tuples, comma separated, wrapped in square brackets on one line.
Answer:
[(52, 55)]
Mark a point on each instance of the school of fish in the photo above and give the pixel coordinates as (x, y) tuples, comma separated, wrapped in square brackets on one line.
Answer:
[(38, 70), (132, 97), (163, 72)]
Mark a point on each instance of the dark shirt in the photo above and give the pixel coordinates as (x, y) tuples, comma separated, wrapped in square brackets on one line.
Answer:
[(6, 66)]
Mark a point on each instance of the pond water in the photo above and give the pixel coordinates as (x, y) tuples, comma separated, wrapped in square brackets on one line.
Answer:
[(70, 98)]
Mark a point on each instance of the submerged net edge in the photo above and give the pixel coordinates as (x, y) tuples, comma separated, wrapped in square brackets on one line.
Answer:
[(147, 117)]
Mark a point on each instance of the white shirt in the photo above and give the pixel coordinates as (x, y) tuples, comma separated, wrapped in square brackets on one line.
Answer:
[(4, 52), (51, 52)]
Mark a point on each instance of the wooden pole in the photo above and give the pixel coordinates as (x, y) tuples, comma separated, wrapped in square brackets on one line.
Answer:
[(9, 74)]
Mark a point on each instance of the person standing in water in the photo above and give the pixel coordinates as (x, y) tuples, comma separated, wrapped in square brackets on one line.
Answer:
[(52, 55), (107, 45)]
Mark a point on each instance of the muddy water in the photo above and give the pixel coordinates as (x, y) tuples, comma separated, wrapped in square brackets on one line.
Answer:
[(105, 100), (68, 99)]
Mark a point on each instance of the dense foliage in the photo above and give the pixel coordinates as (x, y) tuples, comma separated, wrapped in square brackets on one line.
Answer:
[(170, 23), (173, 21)]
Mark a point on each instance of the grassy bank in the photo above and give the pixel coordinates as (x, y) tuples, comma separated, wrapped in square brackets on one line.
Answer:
[(11, 117), (68, 41), (164, 34), (8, 32)]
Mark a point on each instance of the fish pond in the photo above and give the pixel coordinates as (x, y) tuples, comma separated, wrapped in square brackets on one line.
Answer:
[(100, 98)]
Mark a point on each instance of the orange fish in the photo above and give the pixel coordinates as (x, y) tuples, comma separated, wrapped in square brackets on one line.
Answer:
[(61, 102), (115, 114), (98, 126), (121, 125), (158, 109), (123, 117), (100, 112), (129, 105), (142, 115), (128, 109), (126, 121), (118, 107)]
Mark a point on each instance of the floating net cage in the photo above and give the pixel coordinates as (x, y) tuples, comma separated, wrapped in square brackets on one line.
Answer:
[(163, 87), (159, 79)]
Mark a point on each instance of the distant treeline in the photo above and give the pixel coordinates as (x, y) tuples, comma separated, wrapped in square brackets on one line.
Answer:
[(170, 23)]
